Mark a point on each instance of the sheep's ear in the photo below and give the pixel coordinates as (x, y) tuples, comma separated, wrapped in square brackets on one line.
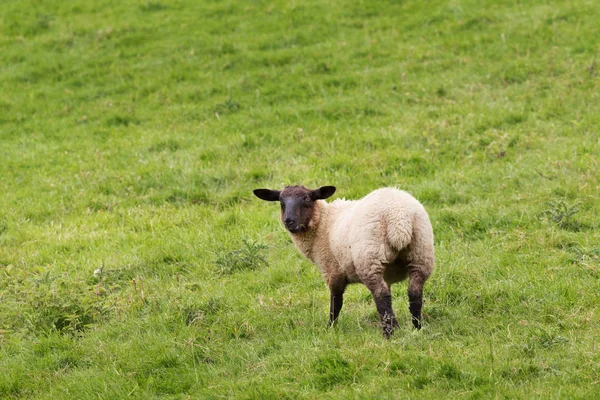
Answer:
[(322, 192), (267, 194)]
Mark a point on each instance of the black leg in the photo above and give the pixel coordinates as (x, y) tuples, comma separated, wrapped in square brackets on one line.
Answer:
[(334, 309), (415, 296), (383, 302), (373, 280), (336, 301), (395, 323)]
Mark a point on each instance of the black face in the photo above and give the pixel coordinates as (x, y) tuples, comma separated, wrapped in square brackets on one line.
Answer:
[(297, 204), (297, 209)]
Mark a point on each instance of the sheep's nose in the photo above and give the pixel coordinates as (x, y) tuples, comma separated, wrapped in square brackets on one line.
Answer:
[(288, 221)]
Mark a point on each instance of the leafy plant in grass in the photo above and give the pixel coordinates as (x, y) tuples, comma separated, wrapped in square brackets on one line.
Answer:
[(65, 312), (198, 313), (249, 257), (561, 213), (585, 256)]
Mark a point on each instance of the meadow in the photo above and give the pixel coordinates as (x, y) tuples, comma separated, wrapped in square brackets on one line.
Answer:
[(136, 263)]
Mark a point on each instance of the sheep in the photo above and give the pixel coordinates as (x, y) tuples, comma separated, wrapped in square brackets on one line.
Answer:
[(378, 240)]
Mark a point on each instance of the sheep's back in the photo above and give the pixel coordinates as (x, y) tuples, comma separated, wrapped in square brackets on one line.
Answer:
[(378, 227)]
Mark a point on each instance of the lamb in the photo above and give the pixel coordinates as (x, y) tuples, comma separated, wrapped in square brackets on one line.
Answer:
[(378, 240)]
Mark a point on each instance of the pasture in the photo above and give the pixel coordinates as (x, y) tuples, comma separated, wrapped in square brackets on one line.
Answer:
[(136, 263)]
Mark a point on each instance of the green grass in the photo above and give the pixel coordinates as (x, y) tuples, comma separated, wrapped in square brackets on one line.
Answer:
[(133, 133)]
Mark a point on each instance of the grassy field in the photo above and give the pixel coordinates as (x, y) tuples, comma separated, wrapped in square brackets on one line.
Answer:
[(136, 263)]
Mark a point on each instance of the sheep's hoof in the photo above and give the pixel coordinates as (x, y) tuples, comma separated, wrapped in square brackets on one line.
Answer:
[(416, 323), (388, 329)]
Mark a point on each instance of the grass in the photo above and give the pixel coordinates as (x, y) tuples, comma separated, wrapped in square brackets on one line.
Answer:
[(135, 262)]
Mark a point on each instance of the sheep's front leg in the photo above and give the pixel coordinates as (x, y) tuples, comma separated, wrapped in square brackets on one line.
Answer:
[(336, 290), (415, 295)]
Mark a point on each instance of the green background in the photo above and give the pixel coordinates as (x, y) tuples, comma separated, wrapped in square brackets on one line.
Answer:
[(132, 135)]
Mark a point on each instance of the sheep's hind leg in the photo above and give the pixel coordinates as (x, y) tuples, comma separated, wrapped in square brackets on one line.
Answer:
[(415, 295), (336, 300), (395, 323), (383, 302)]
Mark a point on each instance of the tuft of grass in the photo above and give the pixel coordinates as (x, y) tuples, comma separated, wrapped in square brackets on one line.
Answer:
[(332, 370), (153, 6)]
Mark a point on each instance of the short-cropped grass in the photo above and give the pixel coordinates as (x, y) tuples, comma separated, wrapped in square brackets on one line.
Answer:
[(136, 263)]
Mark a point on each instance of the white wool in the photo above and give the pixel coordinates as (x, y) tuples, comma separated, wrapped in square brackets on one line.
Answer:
[(364, 238)]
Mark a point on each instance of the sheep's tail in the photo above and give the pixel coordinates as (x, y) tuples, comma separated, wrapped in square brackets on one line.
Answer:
[(415, 235), (418, 243), (399, 231)]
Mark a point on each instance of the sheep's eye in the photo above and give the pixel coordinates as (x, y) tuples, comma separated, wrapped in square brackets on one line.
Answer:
[(282, 205)]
